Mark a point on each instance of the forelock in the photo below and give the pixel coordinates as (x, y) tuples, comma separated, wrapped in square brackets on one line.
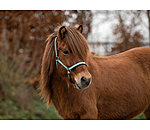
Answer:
[(76, 42)]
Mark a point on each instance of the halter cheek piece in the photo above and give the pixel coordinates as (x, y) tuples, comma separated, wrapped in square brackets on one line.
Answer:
[(66, 67)]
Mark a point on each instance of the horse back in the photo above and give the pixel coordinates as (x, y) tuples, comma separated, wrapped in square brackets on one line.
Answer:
[(137, 56), (141, 56)]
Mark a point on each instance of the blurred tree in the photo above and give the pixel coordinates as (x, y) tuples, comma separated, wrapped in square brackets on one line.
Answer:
[(127, 32), (134, 24), (26, 31)]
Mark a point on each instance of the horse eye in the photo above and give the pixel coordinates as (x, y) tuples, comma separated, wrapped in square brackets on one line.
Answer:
[(66, 52)]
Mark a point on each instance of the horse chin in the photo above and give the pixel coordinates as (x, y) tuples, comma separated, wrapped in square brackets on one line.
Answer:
[(80, 87)]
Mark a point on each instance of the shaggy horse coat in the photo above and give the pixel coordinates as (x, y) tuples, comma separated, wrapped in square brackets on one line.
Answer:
[(120, 84)]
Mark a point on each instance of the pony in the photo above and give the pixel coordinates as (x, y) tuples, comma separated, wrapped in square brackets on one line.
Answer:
[(84, 86)]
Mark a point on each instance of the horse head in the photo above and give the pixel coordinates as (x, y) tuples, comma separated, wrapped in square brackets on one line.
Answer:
[(71, 52)]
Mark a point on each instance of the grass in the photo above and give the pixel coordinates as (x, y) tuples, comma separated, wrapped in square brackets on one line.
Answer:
[(140, 117), (9, 110)]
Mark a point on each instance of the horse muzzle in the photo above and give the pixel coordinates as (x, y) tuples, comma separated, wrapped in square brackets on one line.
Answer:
[(83, 83)]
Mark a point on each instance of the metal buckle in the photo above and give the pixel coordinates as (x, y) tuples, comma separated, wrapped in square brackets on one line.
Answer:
[(57, 58), (68, 71)]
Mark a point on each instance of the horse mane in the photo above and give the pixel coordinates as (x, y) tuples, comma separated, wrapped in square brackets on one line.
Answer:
[(76, 43)]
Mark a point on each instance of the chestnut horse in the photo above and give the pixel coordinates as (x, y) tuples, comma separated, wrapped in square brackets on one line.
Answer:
[(84, 86)]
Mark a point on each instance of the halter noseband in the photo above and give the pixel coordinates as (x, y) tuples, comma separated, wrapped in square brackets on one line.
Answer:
[(66, 67)]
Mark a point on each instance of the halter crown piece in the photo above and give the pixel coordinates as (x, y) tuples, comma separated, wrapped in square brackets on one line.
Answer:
[(66, 67)]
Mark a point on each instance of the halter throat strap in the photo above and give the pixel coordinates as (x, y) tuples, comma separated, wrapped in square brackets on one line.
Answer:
[(66, 67)]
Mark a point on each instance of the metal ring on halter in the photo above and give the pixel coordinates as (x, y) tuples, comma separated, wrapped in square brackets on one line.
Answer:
[(57, 58), (68, 71)]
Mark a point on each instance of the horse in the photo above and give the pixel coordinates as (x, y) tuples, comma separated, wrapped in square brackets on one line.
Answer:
[(84, 86)]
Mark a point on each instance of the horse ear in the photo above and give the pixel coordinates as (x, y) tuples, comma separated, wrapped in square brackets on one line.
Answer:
[(80, 28), (62, 32)]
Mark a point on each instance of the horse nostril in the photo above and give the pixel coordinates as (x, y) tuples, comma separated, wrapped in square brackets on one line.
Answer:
[(83, 80)]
